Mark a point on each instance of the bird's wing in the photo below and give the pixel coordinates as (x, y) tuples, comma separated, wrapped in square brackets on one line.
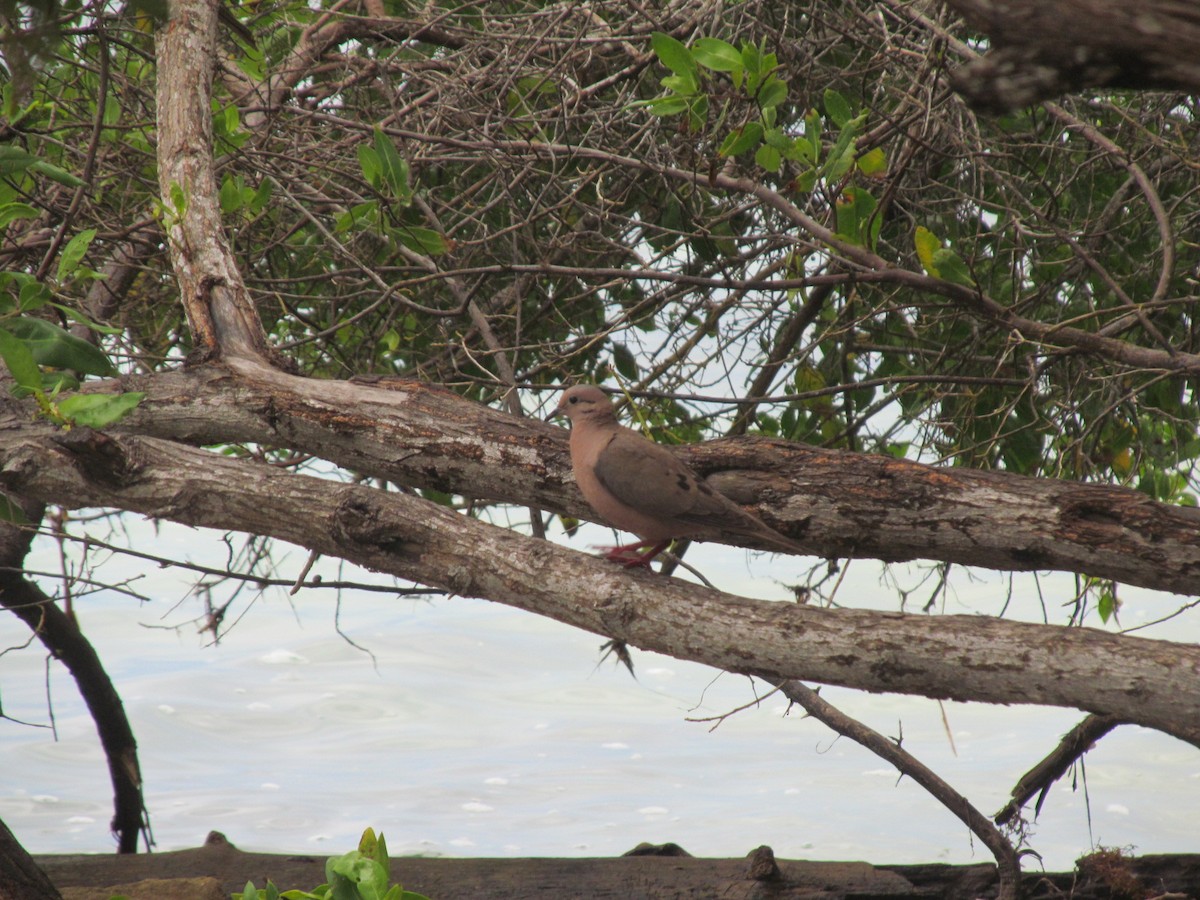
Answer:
[(652, 480)]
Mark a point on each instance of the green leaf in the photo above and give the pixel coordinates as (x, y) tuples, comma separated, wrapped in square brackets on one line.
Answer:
[(841, 157), (926, 243), (1109, 604), (33, 294), (625, 362), (52, 346), (718, 55), (675, 56), (14, 160), (73, 253), (767, 157), (358, 217), (354, 876), (423, 240), (10, 212), (777, 139), (368, 161), (19, 359), (873, 162), (952, 268), (262, 196), (54, 382), (802, 151), (837, 108), (667, 106), (848, 223), (392, 167), (99, 410), (745, 138), (231, 194), (179, 202), (54, 173), (856, 219), (77, 316), (772, 93), (752, 61)]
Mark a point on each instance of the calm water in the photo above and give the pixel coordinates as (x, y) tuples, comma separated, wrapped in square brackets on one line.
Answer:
[(478, 730)]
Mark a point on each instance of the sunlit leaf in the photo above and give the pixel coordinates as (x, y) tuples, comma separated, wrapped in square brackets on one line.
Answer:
[(674, 55), (715, 54), (926, 244), (873, 162)]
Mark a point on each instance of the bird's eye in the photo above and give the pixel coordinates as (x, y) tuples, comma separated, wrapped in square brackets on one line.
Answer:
[(573, 400)]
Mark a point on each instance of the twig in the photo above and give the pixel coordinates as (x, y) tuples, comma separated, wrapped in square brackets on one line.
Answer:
[(1007, 861), (1076, 742)]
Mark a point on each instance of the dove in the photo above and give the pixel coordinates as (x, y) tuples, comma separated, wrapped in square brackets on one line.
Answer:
[(642, 487)]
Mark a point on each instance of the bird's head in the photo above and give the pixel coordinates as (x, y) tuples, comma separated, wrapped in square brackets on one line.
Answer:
[(584, 402)]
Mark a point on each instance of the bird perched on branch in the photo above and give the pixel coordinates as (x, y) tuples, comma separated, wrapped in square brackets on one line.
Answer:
[(642, 487)]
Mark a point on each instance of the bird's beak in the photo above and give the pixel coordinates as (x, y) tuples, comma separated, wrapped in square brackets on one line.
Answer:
[(555, 413)]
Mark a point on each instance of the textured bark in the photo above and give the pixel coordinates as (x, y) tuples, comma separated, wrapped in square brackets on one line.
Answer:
[(629, 877), (1042, 48), (1152, 683), (837, 504), (222, 319), (20, 877)]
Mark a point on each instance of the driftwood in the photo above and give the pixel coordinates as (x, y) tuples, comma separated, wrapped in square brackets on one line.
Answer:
[(219, 868)]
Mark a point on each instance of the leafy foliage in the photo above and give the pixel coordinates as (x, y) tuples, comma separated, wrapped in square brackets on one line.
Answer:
[(362, 874)]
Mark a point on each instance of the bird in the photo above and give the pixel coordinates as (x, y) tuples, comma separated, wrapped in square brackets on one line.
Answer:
[(642, 487)]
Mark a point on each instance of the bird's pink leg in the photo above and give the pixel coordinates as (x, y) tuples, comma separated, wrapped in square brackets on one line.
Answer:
[(631, 556)]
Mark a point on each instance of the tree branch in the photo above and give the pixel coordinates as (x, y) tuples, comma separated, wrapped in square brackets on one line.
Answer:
[(221, 316), (837, 504), (1007, 862), (1152, 683), (1076, 742), (1040, 48)]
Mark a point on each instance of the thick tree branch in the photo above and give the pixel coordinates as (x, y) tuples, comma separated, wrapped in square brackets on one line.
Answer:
[(222, 318), (1152, 683), (1042, 48), (837, 504)]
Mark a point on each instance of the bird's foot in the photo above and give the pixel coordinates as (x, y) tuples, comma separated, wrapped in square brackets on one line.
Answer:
[(635, 556)]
